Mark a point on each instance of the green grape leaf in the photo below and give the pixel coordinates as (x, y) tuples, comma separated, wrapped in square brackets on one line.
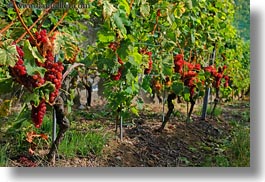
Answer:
[(8, 53), (192, 38), (22, 116), (177, 87), (67, 44), (186, 94), (129, 78), (32, 53), (119, 23), (146, 85), (135, 58), (189, 2), (5, 108), (105, 36), (108, 9), (167, 70), (145, 8), (40, 93), (6, 85), (187, 97), (33, 69), (129, 90), (135, 111), (140, 103), (125, 4)]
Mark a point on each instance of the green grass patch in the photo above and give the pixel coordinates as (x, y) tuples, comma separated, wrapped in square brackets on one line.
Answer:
[(216, 161), (245, 116), (81, 144), (217, 111), (234, 150), (15, 133), (3, 155), (239, 146)]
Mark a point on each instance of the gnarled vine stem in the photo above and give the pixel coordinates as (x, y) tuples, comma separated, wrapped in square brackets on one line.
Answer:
[(63, 124)]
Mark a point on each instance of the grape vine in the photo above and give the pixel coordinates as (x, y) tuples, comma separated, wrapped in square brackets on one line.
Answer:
[(149, 45), (53, 74)]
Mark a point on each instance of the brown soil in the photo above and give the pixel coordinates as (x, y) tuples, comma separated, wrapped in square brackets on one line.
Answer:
[(180, 144)]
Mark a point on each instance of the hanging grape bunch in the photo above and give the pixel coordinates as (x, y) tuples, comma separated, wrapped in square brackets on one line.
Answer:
[(53, 74), (150, 62), (188, 72), (37, 113), (114, 46), (218, 75)]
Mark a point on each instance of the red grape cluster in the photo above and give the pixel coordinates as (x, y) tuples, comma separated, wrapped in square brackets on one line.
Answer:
[(37, 113), (44, 44), (226, 84), (19, 67), (158, 13), (37, 80), (156, 83), (117, 76), (41, 37), (168, 81), (26, 162), (150, 62), (114, 46), (53, 74), (53, 70), (218, 75), (188, 75), (19, 72), (20, 52)]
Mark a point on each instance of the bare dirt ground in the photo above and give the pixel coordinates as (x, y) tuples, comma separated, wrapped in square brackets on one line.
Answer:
[(180, 144)]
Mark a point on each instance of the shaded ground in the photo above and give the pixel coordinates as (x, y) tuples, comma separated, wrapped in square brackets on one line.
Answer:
[(180, 144)]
